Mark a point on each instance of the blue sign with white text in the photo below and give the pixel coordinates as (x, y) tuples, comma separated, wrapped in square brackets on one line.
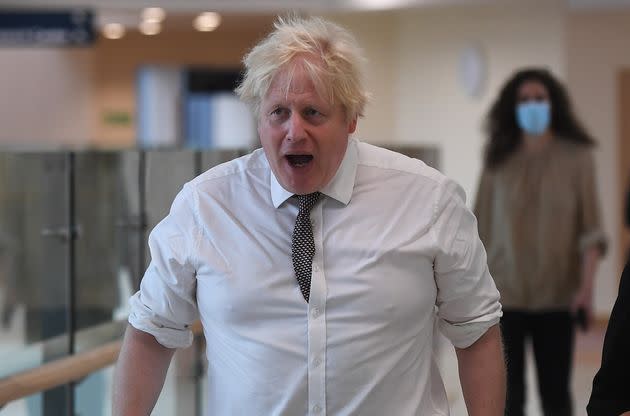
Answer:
[(46, 28)]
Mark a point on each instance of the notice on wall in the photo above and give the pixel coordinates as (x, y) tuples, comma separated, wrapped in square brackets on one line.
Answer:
[(54, 28)]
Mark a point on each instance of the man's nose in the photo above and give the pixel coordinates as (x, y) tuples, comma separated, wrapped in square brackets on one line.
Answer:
[(296, 127)]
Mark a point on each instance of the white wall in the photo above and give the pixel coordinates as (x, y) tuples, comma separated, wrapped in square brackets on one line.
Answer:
[(432, 108), (376, 34), (46, 97), (597, 50)]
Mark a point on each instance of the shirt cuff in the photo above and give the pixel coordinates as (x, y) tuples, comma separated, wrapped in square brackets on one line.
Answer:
[(594, 238), (166, 332)]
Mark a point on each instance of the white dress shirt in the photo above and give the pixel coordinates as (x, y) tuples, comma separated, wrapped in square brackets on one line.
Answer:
[(396, 249)]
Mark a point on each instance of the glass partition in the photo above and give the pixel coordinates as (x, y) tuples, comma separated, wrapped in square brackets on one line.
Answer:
[(166, 173), (130, 224), (100, 202), (209, 159), (35, 255)]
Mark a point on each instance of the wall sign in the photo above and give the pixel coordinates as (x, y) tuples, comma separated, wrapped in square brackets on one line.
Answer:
[(20, 28)]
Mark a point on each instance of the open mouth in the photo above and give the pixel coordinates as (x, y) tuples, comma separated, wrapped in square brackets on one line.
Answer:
[(299, 160)]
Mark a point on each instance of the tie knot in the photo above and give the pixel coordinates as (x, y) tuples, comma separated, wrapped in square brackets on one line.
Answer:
[(308, 201)]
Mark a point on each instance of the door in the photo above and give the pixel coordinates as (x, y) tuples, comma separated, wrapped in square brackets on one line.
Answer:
[(624, 160)]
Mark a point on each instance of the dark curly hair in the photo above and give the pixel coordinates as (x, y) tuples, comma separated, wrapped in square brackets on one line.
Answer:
[(503, 132)]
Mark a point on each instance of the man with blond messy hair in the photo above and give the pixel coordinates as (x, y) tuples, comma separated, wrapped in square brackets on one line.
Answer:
[(319, 265)]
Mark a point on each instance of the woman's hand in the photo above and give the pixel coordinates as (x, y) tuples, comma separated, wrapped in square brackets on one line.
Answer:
[(582, 307)]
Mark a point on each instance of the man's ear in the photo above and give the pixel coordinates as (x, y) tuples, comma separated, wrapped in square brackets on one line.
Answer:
[(352, 126)]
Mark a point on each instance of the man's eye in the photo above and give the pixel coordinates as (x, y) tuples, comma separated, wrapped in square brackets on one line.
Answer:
[(278, 112), (310, 112)]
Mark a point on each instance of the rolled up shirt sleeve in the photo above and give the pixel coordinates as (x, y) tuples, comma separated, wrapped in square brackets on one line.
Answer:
[(165, 306), (590, 228), (467, 298)]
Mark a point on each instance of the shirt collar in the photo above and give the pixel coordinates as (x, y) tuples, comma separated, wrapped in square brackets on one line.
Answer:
[(339, 188)]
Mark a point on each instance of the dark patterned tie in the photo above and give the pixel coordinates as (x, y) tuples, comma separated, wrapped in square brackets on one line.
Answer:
[(303, 244)]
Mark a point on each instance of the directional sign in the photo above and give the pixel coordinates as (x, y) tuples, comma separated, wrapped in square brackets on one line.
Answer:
[(54, 28)]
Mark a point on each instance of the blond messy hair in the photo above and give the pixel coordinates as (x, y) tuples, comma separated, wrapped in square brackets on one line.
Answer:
[(330, 56)]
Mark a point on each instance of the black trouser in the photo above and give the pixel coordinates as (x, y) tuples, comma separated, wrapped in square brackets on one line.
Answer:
[(552, 338)]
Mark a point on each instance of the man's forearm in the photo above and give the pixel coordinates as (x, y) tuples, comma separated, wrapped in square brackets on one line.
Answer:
[(482, 374), (140, 373)]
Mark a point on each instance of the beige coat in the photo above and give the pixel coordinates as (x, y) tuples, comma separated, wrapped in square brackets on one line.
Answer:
[(537, 213)]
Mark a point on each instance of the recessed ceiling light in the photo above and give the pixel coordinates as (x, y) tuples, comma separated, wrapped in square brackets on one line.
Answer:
[(207, 21), (113, 30), (148, 27), (153, 14), (379, 4)]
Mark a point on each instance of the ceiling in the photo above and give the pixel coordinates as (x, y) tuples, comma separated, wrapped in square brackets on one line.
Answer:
[(239, 5), (282, 5), (126, 11)]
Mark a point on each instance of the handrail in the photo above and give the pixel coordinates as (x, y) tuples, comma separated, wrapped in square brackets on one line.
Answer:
[(34, 354), (63, 371), (58, 372)]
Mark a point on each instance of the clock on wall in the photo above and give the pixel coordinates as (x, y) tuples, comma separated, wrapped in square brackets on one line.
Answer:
[(472, 70)]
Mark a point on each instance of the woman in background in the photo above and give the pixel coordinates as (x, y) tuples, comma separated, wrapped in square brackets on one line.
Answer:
[(539, 220)]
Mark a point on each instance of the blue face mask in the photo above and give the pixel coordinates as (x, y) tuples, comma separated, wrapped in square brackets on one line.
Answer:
[(533, 117)]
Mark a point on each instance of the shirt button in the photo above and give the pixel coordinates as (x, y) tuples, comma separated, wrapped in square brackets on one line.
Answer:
[(317, 362), (315, 268), (315, 312), (317, 409)]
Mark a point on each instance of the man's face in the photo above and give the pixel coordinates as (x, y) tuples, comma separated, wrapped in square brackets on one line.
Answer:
[(304, 136)]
